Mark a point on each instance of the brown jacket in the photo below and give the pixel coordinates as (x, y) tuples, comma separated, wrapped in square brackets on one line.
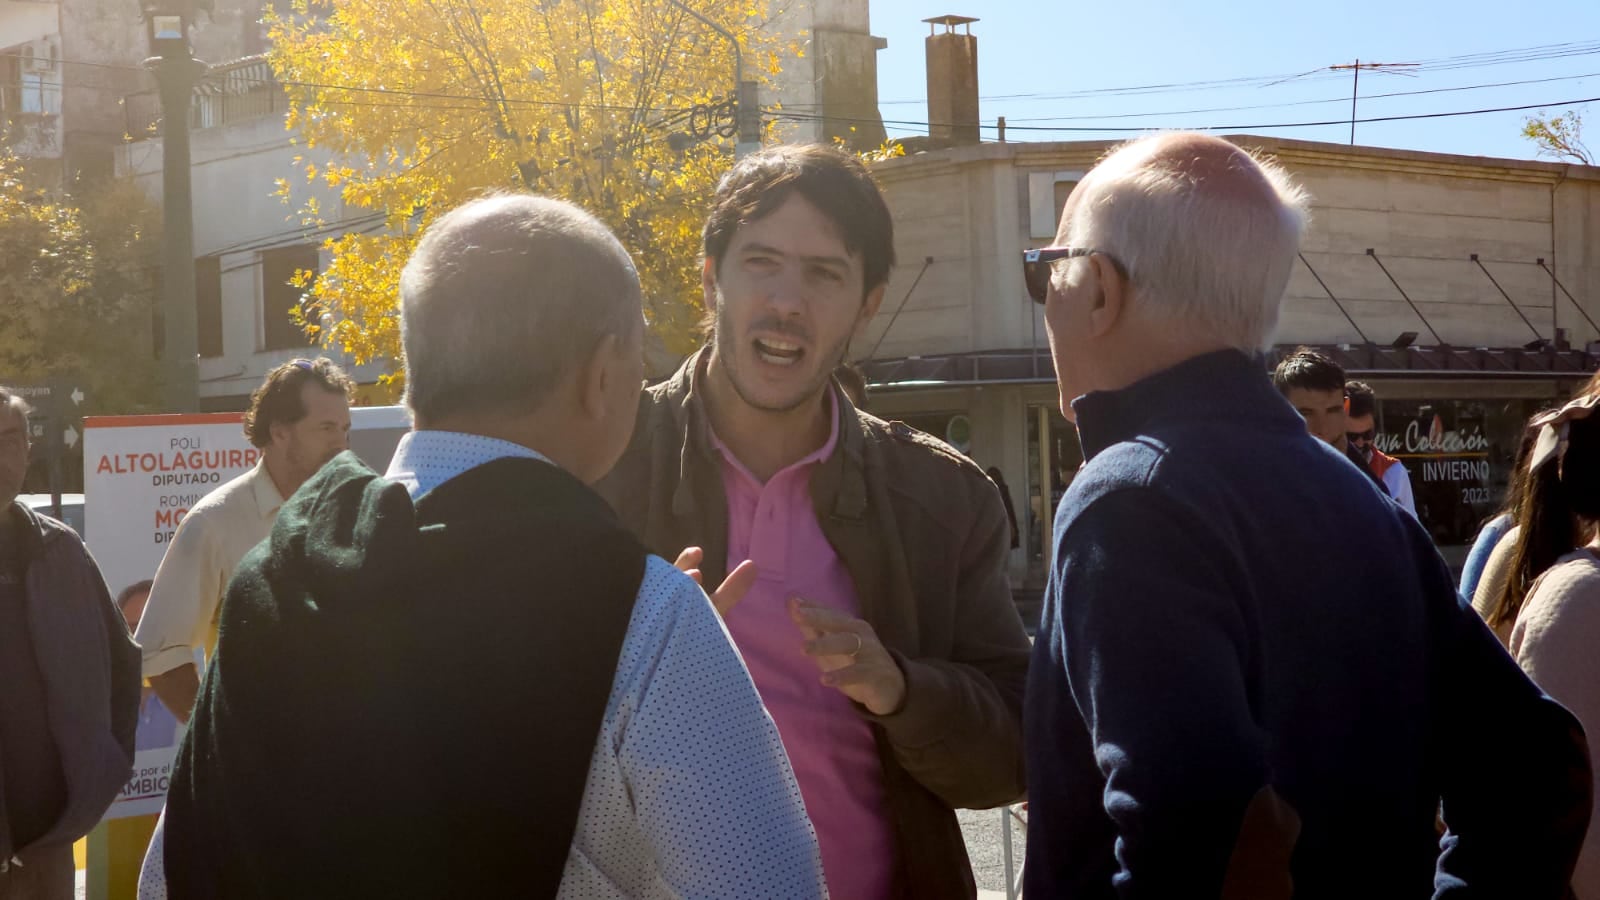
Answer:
[(924, 536)]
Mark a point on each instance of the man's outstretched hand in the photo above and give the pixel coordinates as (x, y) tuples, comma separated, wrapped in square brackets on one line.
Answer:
[(732, 589)]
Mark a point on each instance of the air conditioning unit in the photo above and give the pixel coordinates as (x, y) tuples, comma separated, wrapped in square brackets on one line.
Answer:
[(39, 57)]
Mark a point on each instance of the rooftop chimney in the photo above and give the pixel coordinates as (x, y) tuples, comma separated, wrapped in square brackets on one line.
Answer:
[(952, 82)]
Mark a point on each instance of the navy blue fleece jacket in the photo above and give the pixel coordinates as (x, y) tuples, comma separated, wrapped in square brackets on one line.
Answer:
[(1234, 606)]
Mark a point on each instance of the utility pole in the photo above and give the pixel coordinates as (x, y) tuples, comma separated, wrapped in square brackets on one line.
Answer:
[(176, 72), (1355, 86), (747, 114)]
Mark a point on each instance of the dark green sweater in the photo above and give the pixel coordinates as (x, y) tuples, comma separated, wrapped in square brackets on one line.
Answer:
[(405, 698)]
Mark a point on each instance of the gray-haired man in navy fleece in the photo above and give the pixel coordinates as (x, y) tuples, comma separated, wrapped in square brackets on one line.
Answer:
[(1215, 707)]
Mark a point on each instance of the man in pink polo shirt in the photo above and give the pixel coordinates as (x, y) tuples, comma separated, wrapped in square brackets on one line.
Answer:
[(880, 629)]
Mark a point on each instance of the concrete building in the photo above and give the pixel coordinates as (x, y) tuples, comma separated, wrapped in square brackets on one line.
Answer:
[(67, 65), (30, 80), (829, 88), (249, 243), (1388, 285)]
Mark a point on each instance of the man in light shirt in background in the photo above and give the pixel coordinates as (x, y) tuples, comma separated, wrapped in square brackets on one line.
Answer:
[(299, 418)]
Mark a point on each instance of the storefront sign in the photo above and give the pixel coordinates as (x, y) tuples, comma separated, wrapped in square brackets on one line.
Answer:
[(1437, 440), (1457, 458)]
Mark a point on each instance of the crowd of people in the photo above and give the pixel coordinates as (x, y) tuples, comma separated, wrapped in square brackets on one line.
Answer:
[(478, 674)]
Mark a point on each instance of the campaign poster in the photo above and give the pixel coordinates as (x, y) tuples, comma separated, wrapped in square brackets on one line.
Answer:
[(142, 474)]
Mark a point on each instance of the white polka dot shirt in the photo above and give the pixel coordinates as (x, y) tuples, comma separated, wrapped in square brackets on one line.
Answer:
[(689, 793)]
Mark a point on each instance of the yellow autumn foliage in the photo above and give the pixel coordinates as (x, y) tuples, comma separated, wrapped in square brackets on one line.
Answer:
[(427, 103)]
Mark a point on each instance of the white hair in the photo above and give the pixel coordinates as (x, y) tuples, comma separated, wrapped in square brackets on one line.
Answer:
[(503, 298), (1210, 260)]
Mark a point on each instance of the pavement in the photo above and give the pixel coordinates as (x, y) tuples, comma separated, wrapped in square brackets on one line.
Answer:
[(981, 829)]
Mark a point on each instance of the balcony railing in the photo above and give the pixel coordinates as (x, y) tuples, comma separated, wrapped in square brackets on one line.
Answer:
[(232, 92)]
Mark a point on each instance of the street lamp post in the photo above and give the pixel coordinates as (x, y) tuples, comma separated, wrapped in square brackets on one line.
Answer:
[(176, 72), (748, 116)]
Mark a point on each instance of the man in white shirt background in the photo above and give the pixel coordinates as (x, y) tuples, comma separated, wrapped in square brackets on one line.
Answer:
[(299, 418)]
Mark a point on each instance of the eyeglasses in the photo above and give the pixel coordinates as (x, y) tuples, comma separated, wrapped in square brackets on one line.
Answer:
[(1036, 266), (1362, 437)]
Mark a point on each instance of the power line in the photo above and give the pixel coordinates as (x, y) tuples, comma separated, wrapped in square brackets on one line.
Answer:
[(1186, 112), (392, 92), (1447, 63), (1113, 129), (256, 243)]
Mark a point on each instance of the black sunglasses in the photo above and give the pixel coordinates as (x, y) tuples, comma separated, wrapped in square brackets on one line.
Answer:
[(1361, 436), (1036, 267)]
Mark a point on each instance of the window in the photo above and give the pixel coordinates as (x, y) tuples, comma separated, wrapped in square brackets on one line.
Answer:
[(208, 305), (1458, 455), (279, 298), (30, 80)]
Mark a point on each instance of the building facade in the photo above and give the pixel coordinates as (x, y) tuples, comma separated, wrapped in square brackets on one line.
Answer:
[(249, 243), (67, 65), (828, 87), (1466, 290)]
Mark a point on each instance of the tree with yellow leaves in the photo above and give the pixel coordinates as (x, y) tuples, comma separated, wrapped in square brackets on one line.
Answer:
[(427, 103), (1559, 137), (76, 289)]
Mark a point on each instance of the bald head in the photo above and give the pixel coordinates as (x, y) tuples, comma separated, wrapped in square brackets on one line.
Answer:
[(504, 298), (1207, 233)]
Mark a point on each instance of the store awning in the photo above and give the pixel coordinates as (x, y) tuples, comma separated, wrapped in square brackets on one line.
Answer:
[(1033, 366)]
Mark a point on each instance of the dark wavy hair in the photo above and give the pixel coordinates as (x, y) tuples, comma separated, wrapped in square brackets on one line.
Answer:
[(836, 183), (277, 399), (1308, 370), (1555, 510)]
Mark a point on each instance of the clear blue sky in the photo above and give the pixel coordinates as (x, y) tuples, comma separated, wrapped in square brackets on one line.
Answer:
[(1031, 55)]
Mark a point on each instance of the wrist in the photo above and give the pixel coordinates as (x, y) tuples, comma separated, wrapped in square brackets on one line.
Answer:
[(894, 698)]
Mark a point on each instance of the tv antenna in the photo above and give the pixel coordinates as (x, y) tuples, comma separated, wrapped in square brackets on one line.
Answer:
[(1355, 86)]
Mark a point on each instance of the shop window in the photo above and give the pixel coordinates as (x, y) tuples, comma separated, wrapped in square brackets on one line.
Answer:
[(1054, 457), (1458, 455)]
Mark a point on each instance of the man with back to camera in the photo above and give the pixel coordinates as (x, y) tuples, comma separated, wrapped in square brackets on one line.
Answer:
[(466, 678), (1220, 704)]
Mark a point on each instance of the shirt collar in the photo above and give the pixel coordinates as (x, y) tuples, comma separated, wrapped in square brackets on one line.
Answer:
[(426, 459), (815, 456), (1224, 385), (268, 500)]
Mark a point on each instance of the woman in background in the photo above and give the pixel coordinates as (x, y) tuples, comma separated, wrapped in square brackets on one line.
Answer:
[(1551, 600), (1493, 533)]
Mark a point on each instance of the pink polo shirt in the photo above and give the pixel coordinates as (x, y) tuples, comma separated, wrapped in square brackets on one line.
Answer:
[(829, 744)]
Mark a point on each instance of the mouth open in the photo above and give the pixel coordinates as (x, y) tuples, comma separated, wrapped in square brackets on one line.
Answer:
[(778, 352)]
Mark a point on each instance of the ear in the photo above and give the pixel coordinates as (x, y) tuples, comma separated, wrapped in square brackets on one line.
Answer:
[(279, 432), (870, 305), (1110, 302), (598, 377), (708, 282)]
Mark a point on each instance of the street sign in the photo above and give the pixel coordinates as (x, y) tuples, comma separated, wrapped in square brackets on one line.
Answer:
[(54, 425)]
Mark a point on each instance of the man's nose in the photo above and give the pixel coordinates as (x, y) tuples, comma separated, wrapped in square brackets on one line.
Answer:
[(786, 291)]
